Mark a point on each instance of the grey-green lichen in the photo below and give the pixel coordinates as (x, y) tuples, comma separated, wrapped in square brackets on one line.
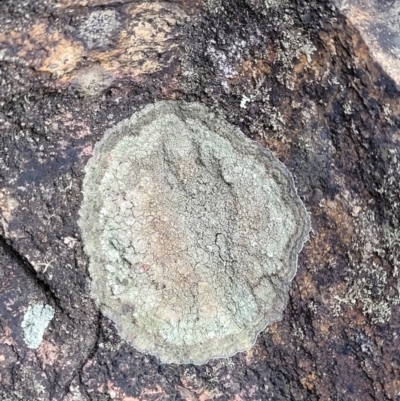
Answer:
[(193, 232), (36, 319), (371, 285)]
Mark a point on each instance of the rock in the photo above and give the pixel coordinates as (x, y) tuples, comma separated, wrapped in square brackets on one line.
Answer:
[(379, 25), (295, 76)]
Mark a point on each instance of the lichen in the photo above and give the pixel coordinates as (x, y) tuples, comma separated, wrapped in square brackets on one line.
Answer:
[(36, 319), (367, 283), (193, 233), (291, 45), (371, 278), (294, 44), (93, 80), (98, 29)]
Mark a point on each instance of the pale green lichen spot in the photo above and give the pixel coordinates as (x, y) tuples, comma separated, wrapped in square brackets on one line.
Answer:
[(36, 319), (193, 232)]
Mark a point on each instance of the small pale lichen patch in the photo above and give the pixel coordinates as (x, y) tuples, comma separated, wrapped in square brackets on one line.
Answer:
[(35, 322), (98, 29), (93, 80), (193, 232)]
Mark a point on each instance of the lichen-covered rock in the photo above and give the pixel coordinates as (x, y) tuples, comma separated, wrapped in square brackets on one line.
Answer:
[(140, 40), (332, 115), (192, 230)]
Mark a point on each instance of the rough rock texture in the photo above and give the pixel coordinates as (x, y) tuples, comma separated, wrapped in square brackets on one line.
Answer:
[(192, 230), (131, 39), (294, 75), (379, 25)]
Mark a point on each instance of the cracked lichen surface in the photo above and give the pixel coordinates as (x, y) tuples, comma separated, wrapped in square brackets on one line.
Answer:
[(193, 232)]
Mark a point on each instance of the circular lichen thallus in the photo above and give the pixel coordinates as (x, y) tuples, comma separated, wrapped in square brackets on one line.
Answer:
[(192, 230)]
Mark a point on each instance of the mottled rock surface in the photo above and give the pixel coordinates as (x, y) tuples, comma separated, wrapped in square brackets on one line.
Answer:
[(379, 24), (297, 77)]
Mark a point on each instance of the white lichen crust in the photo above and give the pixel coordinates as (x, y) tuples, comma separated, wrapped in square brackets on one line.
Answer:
[(35, 322), (193, 232)]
